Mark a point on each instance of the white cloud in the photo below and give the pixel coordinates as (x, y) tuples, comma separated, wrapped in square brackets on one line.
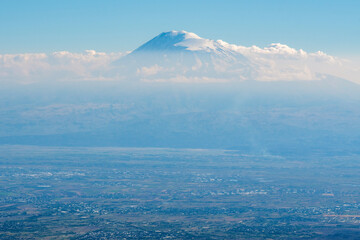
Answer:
[(34, 67), (281, 62), (148, 71), (275, 62)]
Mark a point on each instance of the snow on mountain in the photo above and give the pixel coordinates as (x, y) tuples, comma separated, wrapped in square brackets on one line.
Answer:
[(182, 40), (185, 41)]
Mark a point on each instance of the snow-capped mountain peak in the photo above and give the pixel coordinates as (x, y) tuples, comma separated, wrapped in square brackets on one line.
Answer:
[(180, 40)]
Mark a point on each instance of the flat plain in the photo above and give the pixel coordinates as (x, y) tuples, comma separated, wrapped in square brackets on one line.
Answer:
[(149, 193)]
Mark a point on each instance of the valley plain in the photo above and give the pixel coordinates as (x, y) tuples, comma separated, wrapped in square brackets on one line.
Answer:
[(150, 193)]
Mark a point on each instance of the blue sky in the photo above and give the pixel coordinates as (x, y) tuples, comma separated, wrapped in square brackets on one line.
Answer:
[(115, 25)]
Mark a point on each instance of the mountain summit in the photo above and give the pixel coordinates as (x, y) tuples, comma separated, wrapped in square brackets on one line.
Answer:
[(168, 41), (180, 41)]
